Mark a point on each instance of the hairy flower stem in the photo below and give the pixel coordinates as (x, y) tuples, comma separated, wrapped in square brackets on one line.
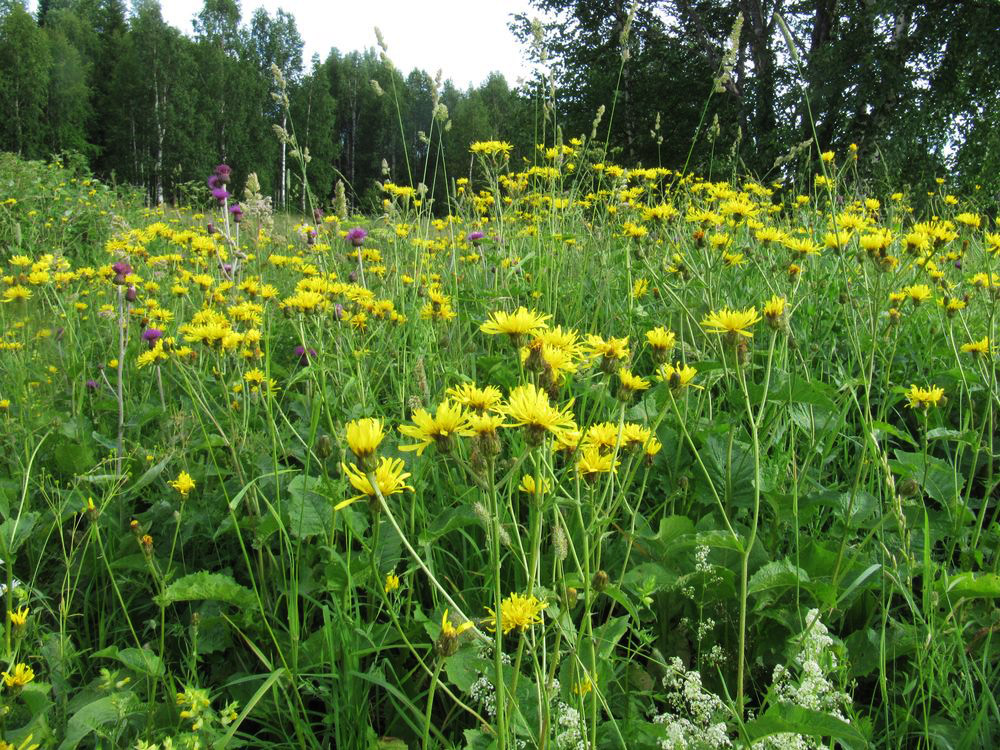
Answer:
[(751, 538), (588, 627), (119, 390), (500, 685), (430, 703)]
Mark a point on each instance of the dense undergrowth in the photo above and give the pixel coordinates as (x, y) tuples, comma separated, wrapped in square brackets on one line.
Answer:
[(604, 457)]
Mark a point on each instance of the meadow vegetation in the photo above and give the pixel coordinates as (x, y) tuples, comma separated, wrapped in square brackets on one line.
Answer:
[(587, 455)]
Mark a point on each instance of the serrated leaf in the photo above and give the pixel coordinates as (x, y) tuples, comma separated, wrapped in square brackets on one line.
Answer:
[(776, 574), (309, 512), (970, 586), (450, 520), (141, 660), (207, 586)]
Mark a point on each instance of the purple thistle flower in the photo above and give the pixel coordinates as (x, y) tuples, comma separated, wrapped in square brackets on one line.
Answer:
[(338, 311), (151, 335), (121, 269), (304, 354), (475, 237), (220, 194), (214, 182), (223, 172), (237, 212), (91, 385), (356, 236), (131, 294)]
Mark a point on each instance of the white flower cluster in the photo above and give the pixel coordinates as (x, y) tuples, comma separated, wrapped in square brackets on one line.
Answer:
[(816, 661), (695, 717), (482, 690), (572, 728)]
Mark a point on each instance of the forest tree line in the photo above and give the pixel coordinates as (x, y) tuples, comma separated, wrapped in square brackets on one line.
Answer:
[(710, 84)]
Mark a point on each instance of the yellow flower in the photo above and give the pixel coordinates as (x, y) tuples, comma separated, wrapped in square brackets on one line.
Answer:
[(582, 687), (611, 350), (530, 487), (519, 323), (516, 611), (661, 340), (389, 477), (529, 406), (981, 348), (364, 437), (733, 322), (477, 399), (917, 293), (630, 383), (19, 618), (26, 744), (450, 631), (774, 310), (924, 397), (391, 582), (16, 293), (21, 676), (593, 462), (183, 484), (492, 148), (448, 420), (677, 376)]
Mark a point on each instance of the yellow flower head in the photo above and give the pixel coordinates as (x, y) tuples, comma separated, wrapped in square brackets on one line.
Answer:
[(389, 477), (530, 487), (449, 630), (519, 323), (661, 340), (917, 293), (732, 322), (364, 437), (774, 310), (529, 406), (19, 618), (630, 383), (677, 376), (391, 582), (21, 676), (517, 612), (981, 348), (474, 398), (449, 419), (593, 462), (924, 397), (183, 484)]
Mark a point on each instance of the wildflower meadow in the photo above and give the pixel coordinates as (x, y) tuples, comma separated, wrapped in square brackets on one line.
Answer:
[(584, 455)]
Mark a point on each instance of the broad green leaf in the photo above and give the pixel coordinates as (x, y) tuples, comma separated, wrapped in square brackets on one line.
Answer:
[(607, 636), (450, 520), (204, 585), (90, 717), (777, 574), (309, 512), (937, 477), (970, 586), (14, 532), (787, 717)]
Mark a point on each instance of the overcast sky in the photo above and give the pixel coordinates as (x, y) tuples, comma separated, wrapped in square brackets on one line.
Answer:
[(467, 39)]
